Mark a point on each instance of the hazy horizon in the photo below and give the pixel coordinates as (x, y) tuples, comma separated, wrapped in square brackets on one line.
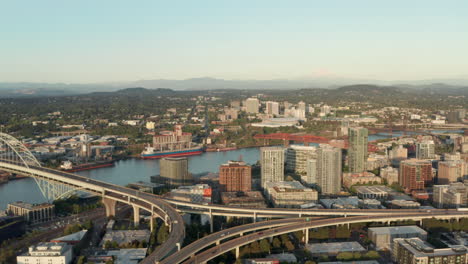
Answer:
[(106, 41)]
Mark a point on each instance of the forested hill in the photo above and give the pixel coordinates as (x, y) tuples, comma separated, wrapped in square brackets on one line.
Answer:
[(122, 104), (111, 105)]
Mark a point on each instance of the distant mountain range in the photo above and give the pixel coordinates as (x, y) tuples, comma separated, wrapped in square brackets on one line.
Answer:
[(57, 89)]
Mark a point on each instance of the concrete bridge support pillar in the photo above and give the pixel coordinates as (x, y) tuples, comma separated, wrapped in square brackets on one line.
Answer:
[(152, 223), (136, 215), (109, 204), (255, 217), (306, 236), (237, 252), (211, 221)]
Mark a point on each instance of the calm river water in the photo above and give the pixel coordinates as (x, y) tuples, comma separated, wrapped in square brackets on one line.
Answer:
[(132, 170)]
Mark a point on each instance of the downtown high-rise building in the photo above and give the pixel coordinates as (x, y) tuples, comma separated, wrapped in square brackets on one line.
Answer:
[(252, 105), (174, 171), (415, 174), (451, 171), (328, 169), (235, 176), (297, 157), (272, 108), (357, 151), (425, 150), (272, 164)]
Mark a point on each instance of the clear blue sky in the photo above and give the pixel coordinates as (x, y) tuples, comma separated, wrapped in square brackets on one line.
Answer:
[(111, 40)]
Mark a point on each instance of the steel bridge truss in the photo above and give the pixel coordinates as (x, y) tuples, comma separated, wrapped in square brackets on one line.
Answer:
[(12, 150)]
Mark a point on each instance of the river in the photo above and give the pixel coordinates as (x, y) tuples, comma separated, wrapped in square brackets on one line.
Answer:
[(132, 170)]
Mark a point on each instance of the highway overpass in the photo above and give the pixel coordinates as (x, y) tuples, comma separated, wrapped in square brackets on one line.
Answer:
[(236, 243), (111, 194)]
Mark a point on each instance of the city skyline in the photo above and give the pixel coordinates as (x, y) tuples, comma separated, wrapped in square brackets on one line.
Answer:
[(93, 42)]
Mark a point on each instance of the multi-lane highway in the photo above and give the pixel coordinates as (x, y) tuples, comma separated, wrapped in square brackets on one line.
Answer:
[(217, 237), (138, 200), (167, 210), (236, 243), (222, 210)]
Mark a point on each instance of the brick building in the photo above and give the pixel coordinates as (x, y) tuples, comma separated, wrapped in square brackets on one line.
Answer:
[(235, 176)]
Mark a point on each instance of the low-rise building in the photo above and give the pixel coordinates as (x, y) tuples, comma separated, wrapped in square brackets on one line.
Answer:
[(71, 239), (378, 192), (383, 237), (125, 236), (33, 213), (403, 204), (351, 202), (369, 204), (121, 256), (277, 122), (415, 250), (145, 186), (333, 249), (452, 195), (350, 179), (389, 174), (290, 194), (252, 199), (200, 193), (375, 161), (47, 253)]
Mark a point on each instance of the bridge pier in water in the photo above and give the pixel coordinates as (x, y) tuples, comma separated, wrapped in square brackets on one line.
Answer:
[(109, 204)]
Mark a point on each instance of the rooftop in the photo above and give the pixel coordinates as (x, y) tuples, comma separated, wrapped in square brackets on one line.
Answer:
[(72, 237), (373, 189), (31, 206), (397, 230), (318, 248), (126, 236)]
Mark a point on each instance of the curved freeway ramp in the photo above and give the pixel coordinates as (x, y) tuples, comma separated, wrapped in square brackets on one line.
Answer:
[(145, 201), (206, 241), (227, 246)]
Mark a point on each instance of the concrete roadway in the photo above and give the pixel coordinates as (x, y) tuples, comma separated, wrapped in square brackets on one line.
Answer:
[(146, 201), (163, 208), (214, 209), (206, 241), (246, 239)]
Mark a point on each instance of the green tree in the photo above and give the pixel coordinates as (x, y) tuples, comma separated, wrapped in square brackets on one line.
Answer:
[(276, 242), (372, 255), (343, 232), (81, 260), (107, 244), (255, 248), (265, 246), (344, 256), (357, 256), (289, 245), (163, 234)]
